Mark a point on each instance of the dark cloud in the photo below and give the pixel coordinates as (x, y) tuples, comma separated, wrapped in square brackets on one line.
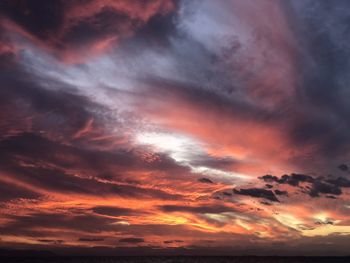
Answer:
[(323, 112), (58, 180), (107, 22), (320, 185), (51, 241), (64, 221), (76, 28), (88, 239), (132, 240), (279, 192), (269, 178), (112, 211), (340, 181), (173, 241), (40, 19), (58, 111), (343, 167), (10, 192), (7, 51), (213, 209), (293, 179), (257, 193), (327, 222), (205, 180), (211, 100), (225, 163), (158, 30), (265, 203)]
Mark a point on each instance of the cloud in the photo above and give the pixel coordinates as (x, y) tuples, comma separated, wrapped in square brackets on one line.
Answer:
[(224, 163), (132, 240), (343, 167), (323, 83), (324, 188), (293, 179), (317, 186), (329, 222), (331, 197), (257, 193), (51, 241), (205, 180), (340, 181), (10, 192), (112, 211), (54, 173), (86, 239), (223, 92), (269, 178), (212, 209), (64, 221), (172, 241), (59, 110), (279, 192), (75, 30)]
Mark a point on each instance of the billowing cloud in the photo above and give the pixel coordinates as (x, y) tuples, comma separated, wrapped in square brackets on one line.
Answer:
[(315, 186)]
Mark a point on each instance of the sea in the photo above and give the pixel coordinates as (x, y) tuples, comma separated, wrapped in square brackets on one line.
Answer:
[(188, 259)]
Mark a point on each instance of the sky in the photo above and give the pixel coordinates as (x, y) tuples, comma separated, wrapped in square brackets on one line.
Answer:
[(163, 126)]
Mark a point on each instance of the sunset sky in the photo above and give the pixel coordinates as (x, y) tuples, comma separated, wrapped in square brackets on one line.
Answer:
[(190, 126)]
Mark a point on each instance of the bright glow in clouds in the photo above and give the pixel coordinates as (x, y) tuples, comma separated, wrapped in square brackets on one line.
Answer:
[(179, 147), (224, 175), (184, 149)]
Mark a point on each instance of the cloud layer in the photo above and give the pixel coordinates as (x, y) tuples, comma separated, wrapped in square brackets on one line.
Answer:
[(175, 126)]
